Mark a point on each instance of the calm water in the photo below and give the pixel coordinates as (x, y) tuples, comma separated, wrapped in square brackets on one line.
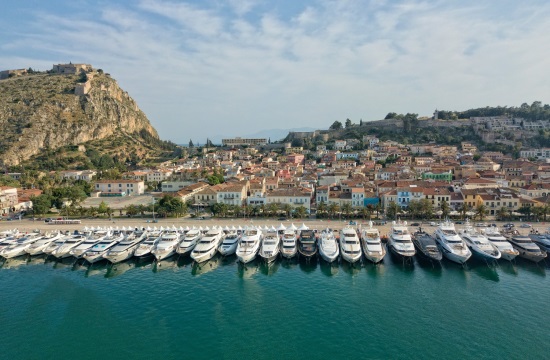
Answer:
[(53, 310)]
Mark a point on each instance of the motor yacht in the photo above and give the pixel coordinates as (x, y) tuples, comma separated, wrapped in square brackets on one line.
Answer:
[(350, 245), (207, 246), (126, 248), (526, 247), (95, 237), (542, 241), (167, 244), (328, 246), (37, 248), (64, 250), (307, 243), (507, 251), (289, 246), (20, 246), (229, 243), (400, 241), (451, 244), (96, 252), (189, 241), (270, 248), (144, 248), (426, 246), (479, 244), (249, 245), (55, 244), (372, 245)]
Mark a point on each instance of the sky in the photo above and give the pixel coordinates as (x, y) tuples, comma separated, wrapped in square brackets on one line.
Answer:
[(210, 68)]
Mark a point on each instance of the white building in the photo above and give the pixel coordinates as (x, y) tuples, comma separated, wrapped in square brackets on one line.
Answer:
[(159, 175), (293, 196), (127, 187)]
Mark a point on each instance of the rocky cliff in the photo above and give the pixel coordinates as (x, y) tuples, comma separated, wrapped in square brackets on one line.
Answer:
[(42, 111)]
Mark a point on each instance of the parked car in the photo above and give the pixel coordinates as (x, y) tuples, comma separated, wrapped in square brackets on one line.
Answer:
[(525, 225), (433, 223), (415, 224)]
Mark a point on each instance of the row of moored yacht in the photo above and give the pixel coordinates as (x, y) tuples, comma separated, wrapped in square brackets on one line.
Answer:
[(459, 246)]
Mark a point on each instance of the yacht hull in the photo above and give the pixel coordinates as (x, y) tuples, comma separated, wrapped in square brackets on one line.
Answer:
[(202, 257), (405, 256), (121, 256)]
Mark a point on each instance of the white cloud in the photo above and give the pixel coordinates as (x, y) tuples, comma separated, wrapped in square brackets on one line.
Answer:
[(188, 66)]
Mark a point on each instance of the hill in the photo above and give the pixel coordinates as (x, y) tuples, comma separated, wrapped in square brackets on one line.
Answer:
[(46, 113)]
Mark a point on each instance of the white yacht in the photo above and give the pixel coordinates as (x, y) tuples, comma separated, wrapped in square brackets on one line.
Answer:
[(20, 246), (451, 244), (350, 245), (144, 249), (270, 246), (479, 244), (126, 248), (55, 244), (189, 241), (372, 245), (289, 245), (95, 237), (230, 243), (400, 241), (249, 245), (542, 240), (96, 252), (207, 246), (9, 241), (527, 248), (328, 246), (64, 250), (167, 244), (39, 245), (507, 251)]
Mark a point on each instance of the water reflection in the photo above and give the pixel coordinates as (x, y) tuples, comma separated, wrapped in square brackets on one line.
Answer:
[(207, 266), (375, 270), (14, 263), (120, 268), (269, 269), (508, 267), (329, 269), (98, 268), (308, 266), (246, 271), (351, 269), (534, 268), (485, 271), (167, 264), (288, 263)]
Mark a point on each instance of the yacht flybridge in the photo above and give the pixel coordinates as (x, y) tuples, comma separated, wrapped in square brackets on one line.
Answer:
[(328, 246)]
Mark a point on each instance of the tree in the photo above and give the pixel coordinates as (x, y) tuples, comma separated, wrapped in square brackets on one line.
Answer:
[(333, 208), (131, 210), (102, 208), (393, 210), (427, 208), (300, 212), (525, 210), (337, 125), (348, 123), (321, 208), (41, 204), (502, 214), (272, 209), (445, 209), (464, 208), (347, 209), (287, 208), (191, 143), (481, 211), (391, 115)]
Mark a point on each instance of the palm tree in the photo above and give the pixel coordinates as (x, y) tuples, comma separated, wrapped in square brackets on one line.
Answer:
[(365, 212), (272, 209), (502, 213), (287, 208), (347, 210), (141, 209), (481, 211), (464, 208), (321, 208), (545, 211), (333, 208), (537, 211), (393, 210), (300, 212)]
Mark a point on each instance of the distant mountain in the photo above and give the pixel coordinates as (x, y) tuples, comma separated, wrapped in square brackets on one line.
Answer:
[(273, 134)]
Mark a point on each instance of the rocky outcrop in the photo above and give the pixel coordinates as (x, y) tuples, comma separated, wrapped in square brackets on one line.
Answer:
[(42, 111)]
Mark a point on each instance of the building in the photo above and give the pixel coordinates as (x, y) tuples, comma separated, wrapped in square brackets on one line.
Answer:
[(233, 194), (120, 187), (159, 175), (243, 141), (71, 69), (86, 175), (12, 73), (295, 197), (8, 199), (441, 176)]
